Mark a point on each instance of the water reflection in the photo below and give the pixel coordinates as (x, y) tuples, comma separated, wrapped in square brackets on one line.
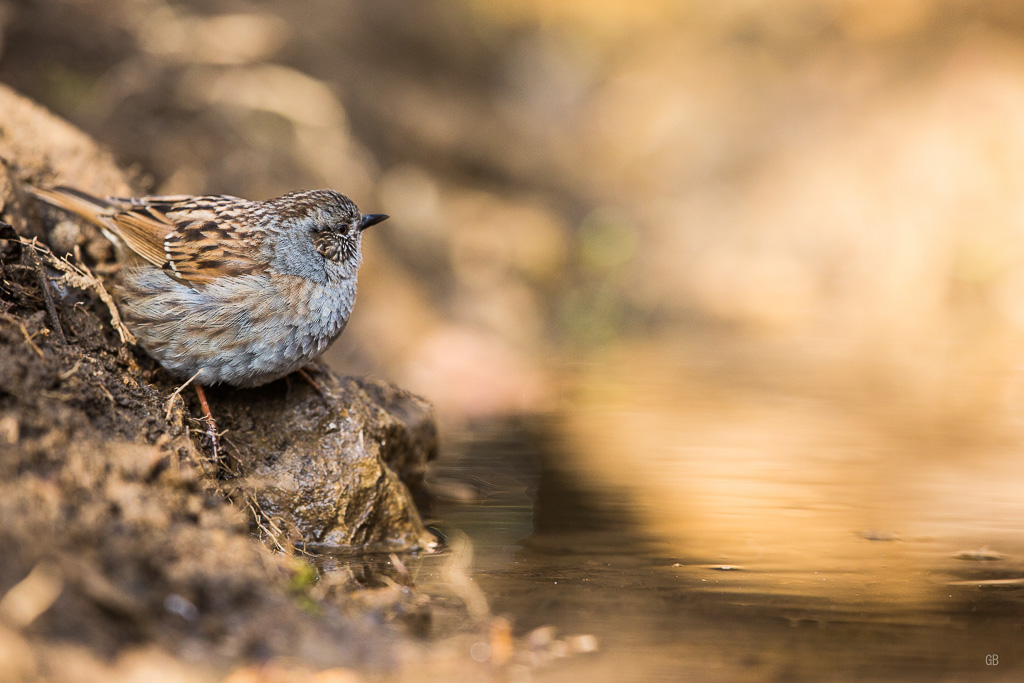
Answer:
[(740, 531)]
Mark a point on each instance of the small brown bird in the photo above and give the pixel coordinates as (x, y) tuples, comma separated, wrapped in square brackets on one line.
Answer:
[(241, 292)]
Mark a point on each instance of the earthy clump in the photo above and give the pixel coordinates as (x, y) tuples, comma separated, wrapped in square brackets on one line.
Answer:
[(116, 527)]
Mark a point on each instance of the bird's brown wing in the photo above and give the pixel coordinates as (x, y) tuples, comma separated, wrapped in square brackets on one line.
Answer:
[(197, 239)]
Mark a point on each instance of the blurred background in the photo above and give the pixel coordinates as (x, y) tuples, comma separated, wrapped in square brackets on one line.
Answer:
[(743, 281)]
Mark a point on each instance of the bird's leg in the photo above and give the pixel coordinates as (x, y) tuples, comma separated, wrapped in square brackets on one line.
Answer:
[(211, 424), (304, 374)]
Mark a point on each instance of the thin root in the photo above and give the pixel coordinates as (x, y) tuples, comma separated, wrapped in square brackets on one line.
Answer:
[(66, 375), (177, 392), (28, 337), (44, 285)]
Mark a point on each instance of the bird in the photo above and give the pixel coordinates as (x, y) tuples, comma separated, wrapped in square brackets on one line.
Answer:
[(227, 290)]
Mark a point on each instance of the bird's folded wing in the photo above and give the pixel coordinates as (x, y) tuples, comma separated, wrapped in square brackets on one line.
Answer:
[(194, 241)]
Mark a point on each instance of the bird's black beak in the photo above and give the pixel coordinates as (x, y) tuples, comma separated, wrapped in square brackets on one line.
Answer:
[(371, 219)]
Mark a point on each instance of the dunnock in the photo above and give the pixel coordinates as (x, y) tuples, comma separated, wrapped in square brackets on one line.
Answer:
[(244, 291)]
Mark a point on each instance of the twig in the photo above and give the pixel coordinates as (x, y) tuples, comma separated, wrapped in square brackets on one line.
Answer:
[(266, 525), (28, 337), (177, 392), (115, 316), (65, 375), (44, 285), (107, 392), (32, 596), (57, 396)]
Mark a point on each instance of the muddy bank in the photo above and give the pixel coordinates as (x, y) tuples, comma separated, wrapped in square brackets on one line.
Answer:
[(117, 530)]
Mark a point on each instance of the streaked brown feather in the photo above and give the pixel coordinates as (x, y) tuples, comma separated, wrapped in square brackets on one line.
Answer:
[(143, 234), (204, 250)]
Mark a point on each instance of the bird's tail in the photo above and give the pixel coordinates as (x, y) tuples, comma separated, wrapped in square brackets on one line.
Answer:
[(93, 209), (75, 201)]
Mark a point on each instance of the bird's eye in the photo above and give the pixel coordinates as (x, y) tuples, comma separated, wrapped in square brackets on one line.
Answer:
[(343, 230)]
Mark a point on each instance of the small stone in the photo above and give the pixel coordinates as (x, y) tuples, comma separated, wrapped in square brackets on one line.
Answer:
[(983, 554), (583, 643), (10, 429)]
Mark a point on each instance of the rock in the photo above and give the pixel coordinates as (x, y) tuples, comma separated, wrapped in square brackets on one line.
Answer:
[(331, 468)]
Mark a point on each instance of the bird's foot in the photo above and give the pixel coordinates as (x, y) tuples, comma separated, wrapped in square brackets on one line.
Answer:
[(304, 374), (210, 439)]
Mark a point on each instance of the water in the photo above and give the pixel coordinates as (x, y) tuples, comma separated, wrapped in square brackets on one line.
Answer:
[(753, 530), (550, 552)]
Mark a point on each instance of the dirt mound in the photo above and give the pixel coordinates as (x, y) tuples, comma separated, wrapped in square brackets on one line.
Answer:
[(116, 528)]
